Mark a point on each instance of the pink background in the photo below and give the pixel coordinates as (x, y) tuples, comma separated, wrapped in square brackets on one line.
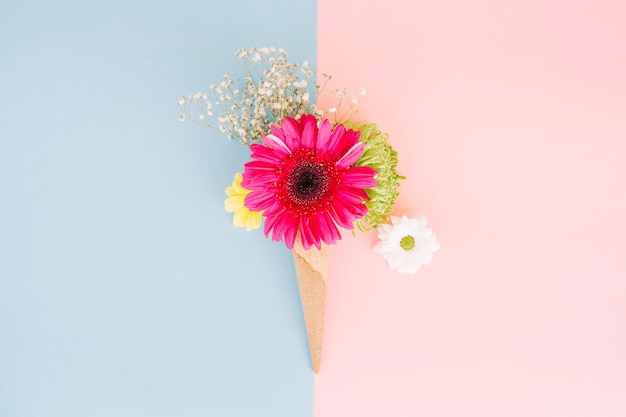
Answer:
[(510, 121)]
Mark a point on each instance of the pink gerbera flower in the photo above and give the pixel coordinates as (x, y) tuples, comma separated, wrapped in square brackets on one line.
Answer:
[(303, 180)]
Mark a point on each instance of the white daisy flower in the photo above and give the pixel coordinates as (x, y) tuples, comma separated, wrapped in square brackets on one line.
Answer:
[(407, 243)]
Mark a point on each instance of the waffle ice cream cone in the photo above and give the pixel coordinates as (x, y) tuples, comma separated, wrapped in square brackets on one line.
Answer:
[(312, 270)]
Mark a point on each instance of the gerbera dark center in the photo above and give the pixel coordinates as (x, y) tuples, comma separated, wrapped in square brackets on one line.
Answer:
[(307, 182)]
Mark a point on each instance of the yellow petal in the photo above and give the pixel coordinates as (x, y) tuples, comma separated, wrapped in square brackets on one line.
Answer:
[(234, 203), (254, 220), (240, 218)]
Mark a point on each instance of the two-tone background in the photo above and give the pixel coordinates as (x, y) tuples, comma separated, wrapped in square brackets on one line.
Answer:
[(125, 291)]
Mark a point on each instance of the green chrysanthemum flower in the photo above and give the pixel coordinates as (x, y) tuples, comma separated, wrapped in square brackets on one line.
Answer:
[(383, 158)]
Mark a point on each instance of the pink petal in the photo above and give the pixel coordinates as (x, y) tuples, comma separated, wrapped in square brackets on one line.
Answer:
[(276, 131), (309, 131), (261, 181), (259, 201), (349, 139), (291, 231), (351, 156), (292, 132), (281, 225), (323, 135), (334, 143), (360, 177), (341, 215), (346, 202), (352, 137), (316, 231), (270, 221), (264, 153), (276, 143), (351, 195), (259, 165), (329, 232), (272, 211), (306, 234)]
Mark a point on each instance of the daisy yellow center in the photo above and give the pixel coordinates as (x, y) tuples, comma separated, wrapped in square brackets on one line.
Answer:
[(407, 242), (306, 182)]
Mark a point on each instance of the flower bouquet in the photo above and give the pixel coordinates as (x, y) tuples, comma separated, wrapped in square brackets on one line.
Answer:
[(311, 172)]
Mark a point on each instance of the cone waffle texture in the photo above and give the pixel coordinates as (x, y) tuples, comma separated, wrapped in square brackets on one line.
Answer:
[(312, 270)]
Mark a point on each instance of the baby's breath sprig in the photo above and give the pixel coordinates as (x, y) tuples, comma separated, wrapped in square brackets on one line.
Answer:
[(341, 96), (244, 108)]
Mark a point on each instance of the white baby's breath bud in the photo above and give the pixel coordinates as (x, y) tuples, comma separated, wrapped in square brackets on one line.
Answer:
[(222, 128), (305, 64), (201, 117), (361, 91), (341, 93), (355, 100), (182, 101), (332, 109), (181, 117), (204, 97)]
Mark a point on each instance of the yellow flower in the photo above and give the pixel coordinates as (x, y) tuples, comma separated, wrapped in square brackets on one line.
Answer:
[(235, 204)]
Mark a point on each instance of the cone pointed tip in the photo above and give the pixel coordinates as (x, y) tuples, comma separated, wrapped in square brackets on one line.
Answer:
[(316, 364)]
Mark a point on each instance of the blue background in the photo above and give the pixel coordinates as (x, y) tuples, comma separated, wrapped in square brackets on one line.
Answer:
[(124, 288)]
